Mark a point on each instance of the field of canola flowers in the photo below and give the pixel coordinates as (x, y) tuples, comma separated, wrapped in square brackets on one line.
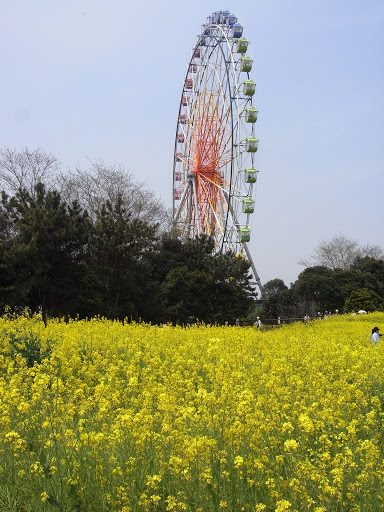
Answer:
[(129, 417)]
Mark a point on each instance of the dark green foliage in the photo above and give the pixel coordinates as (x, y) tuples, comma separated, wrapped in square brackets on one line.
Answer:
[(44, 254), (28, 346), (315, 283), (183, 294), (59, 259), (232, 294), (273, 287), (117, 248), (282, 303), (55, 259), (370, 274), (367, 300), (322, 289), (191, 282)]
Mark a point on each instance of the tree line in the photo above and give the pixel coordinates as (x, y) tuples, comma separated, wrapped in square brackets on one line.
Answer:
[(96, 242), (342, 275)]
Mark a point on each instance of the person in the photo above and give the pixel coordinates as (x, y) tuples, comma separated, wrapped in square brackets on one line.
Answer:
[(375, 336), (258, 322)]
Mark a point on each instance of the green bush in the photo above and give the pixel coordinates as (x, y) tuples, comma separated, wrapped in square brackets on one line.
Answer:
[(29, 347)]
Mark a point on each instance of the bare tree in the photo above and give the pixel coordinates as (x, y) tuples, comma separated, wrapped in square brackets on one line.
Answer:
[(372, 251), (26, 168), (91, 187), (100, 183), (341, 252)]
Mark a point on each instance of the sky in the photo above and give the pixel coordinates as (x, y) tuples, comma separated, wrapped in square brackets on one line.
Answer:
[(101, 80)]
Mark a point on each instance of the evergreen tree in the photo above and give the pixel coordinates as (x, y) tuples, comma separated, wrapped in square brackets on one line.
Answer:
[(117, 249), (44, 251), (189, 281)]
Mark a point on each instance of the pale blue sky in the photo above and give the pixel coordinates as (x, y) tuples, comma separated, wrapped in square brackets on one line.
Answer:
[(93, 79)]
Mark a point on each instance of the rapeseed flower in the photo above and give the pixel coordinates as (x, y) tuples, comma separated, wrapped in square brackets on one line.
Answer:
[(130, 417)]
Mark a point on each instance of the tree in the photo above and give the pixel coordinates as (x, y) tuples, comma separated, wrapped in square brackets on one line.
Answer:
[(117, 248), (283, 303), (370, 272), (346, 281), (25, 169), (232, 295), (188, 280), (316, 288), (44, 252), (365, 299), (340, 253), (326, 289), (6, 274), (187, 294), (103, 183), (279, 300), (272, 287)]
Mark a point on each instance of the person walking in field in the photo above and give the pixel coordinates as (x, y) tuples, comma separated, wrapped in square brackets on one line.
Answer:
[(257, 324), (375, 336)]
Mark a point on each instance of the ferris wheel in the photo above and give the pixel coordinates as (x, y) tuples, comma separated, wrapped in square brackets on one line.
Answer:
[(214, 169)]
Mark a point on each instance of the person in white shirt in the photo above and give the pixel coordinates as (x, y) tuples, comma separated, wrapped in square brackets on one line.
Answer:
[(375, 336)]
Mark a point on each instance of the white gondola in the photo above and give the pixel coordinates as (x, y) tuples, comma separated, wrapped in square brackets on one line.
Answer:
[(188, 84)]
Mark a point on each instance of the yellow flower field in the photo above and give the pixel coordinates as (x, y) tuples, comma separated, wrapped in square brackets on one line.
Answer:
[(108, 416)]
